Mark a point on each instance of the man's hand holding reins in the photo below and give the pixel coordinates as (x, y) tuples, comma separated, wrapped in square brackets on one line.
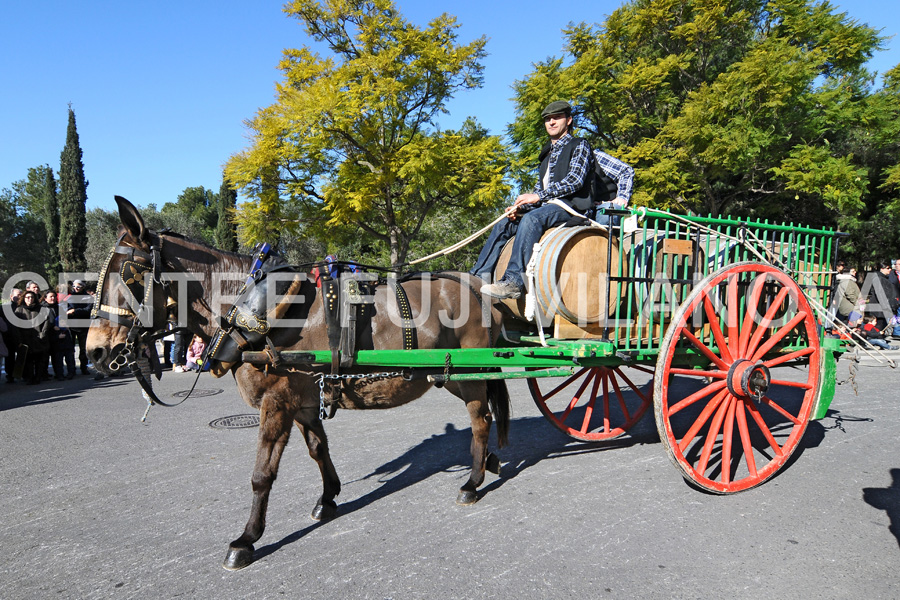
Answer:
[(512, 212)]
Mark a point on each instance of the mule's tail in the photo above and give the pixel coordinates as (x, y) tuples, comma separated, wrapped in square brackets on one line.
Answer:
[(498, 398)]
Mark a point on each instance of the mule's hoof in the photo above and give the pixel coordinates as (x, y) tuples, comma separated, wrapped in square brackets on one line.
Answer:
[(466, 498), (492, 464), (324, 511), (238, 558)]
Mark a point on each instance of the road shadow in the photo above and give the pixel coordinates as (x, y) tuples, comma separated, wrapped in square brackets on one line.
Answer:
[(834, 419), (18, 395), (816, 431), (532, 440), (888, 500)]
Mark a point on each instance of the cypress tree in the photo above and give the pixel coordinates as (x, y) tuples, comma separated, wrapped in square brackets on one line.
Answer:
[(38, 197), (72, 203), (226, 236), (51, 223)]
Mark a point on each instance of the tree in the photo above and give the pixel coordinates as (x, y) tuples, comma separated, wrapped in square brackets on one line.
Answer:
[(351, 145), (102, 231), (22, 235), (875, 232), (196, 206), (225, 235), (72, 202), (50, 216), (744, 107), (37, 198)]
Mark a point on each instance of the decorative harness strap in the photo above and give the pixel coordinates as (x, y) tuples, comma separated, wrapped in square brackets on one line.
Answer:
[(410, 338), (345, 302)]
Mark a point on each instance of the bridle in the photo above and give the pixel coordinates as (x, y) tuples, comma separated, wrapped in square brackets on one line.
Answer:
[(134, 272)]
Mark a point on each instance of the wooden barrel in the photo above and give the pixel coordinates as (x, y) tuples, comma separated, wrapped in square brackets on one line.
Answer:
[(570, 275)]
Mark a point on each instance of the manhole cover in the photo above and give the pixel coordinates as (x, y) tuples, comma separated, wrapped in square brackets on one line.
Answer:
[(236, 422), (197, 393)]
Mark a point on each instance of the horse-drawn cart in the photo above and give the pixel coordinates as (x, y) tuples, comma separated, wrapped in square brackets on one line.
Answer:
[(722, 314), (728, 307)]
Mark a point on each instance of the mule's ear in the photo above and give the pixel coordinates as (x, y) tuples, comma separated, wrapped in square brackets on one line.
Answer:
[(132, 220)]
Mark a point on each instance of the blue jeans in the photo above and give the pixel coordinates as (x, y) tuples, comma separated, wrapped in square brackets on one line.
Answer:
[(880, 344), (528, 230)]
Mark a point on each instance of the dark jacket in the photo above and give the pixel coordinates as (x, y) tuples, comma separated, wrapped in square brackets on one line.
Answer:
[(82, 306), (59, 336), (885, 288), (11, 334), (871, 332), (580, 199), (37, 335)]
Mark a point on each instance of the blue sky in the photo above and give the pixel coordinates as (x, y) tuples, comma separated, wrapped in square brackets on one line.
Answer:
[(161, 89)]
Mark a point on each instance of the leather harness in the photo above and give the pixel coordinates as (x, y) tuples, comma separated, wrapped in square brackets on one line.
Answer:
[(347, 302)]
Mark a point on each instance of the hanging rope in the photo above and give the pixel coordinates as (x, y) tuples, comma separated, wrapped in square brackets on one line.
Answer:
[(466, 241), (460, 244)]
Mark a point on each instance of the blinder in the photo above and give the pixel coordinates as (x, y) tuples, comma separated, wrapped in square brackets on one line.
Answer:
[(139, 286)]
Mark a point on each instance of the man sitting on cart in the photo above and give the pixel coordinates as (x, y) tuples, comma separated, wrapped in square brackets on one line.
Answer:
[(566, 175)]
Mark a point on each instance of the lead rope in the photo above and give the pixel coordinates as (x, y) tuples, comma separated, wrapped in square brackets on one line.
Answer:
[(150, 402), (462, 243), (466, 241)]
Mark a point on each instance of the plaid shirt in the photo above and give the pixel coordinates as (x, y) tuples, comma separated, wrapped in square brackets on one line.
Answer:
[(579, 167), (618, 171)]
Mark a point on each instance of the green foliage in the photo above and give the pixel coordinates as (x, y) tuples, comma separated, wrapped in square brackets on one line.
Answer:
[(739, 107), (225, 234), (196, 210), (102, 231), (350, 150), (36, 201), (815, 172), (22, 236), (72, 202), (51, 221)]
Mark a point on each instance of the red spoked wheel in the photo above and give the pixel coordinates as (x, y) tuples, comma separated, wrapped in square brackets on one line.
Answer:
[(594, 404), (734, 422)]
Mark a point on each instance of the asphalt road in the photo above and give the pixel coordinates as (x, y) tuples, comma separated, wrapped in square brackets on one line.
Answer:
[(98, 505)]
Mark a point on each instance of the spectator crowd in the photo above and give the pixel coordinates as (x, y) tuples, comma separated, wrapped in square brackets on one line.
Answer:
[(37, 338), (871, 306), (40, 343)]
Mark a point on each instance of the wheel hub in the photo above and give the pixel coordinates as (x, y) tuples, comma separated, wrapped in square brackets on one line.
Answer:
[(748, 379)]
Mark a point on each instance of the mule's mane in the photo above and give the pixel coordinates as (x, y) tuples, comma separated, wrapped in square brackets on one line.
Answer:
[(199, 243), (199, 258), (226, 261)]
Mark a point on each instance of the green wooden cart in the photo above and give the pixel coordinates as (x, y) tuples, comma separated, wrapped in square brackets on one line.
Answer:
[(714, 322)]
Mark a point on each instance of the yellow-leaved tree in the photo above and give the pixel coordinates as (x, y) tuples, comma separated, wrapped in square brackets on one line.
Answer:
[(351, 145)]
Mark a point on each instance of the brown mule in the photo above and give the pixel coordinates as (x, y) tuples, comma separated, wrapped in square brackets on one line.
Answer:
[(285, 398)]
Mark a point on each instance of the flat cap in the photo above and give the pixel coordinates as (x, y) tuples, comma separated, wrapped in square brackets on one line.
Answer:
[(560, 106)]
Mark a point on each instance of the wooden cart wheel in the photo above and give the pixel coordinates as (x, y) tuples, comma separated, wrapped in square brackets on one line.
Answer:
[(734, 422), (594, 404)]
